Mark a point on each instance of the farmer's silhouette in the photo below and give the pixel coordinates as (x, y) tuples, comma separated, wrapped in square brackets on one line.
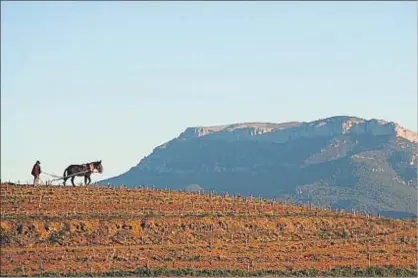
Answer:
[(36, 171)]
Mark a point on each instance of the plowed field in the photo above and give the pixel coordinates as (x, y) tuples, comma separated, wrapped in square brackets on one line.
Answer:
[(97, 230)]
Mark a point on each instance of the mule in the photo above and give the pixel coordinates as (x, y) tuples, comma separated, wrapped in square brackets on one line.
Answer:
[(83, 170)]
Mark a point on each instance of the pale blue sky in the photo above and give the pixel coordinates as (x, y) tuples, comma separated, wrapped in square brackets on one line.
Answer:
[(83, 81)]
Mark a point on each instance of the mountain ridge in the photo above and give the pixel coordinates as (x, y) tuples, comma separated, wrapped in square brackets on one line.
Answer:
[(346, 124), (343, 161)]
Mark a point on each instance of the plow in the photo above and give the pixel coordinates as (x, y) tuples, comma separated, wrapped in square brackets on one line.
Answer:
[(56, 178)]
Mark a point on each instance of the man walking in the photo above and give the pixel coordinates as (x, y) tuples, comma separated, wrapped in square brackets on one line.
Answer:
[(36, 171)]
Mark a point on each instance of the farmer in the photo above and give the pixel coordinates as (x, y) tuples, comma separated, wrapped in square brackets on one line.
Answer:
[(36, 171)]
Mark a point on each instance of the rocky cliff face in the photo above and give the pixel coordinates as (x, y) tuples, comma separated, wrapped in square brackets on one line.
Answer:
[(341, 161), (282, 133)]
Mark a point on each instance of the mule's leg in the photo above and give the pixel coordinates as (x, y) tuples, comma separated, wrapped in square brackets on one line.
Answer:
[(72, 180), (65, 180), (87, 178)]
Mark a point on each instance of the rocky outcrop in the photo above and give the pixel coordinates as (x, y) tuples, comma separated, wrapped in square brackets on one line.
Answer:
[(282, 133), (235, 131)]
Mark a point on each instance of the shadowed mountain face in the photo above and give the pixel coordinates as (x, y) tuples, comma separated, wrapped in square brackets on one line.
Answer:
[(344, 162)]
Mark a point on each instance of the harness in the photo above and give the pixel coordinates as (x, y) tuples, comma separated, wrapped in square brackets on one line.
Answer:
[(90, 169)]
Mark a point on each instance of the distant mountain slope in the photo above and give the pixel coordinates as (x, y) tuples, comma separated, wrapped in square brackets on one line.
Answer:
[(345, 162)]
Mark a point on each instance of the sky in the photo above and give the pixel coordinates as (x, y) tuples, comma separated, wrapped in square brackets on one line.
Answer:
[(85, 81)]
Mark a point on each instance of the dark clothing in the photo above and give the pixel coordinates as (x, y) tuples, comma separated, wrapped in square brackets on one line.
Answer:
[(36, 170)]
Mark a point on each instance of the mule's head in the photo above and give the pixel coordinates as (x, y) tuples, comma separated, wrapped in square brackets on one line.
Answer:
[(98, 166)]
